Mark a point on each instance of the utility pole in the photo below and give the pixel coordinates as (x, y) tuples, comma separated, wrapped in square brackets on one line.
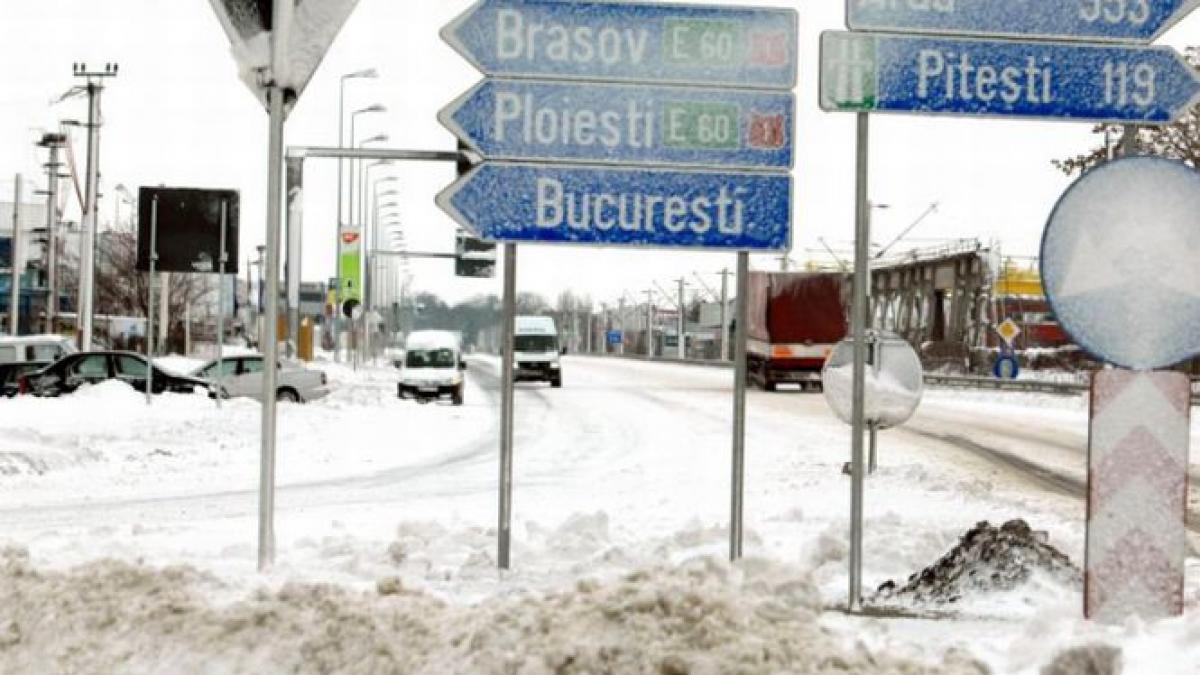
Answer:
[(52, 142), (649, 322), (682, 350), (87, 240), (621, 323), (724, 313), (14, 298)]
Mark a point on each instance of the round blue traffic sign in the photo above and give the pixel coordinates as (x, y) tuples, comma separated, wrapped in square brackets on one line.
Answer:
[(1120, 262), (1006, 367)]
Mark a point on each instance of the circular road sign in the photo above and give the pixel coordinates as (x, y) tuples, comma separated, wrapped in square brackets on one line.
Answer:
[(1006, 367), (895, 380), (1119, 262)]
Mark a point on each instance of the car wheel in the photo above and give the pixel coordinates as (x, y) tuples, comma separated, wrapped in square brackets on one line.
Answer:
[(457, 396), (288, 395), (556, 383)]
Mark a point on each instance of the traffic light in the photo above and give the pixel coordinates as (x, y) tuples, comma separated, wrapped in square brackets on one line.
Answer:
[(473, 257)]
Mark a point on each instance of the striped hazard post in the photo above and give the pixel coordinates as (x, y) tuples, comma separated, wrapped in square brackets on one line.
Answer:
[(1137, 495)]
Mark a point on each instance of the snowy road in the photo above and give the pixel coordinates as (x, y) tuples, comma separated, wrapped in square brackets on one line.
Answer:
[(626, 467)]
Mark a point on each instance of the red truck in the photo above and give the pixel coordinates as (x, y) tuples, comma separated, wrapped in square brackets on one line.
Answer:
[(795, 319)]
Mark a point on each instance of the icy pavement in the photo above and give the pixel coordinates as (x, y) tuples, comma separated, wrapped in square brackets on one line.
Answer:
[(386, 532)]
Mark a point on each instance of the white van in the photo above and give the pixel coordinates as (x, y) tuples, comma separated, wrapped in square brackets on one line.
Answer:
[(536, 350), (433, 366), (35, 348)]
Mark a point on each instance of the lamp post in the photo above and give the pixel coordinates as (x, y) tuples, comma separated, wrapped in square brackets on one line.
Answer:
[(368, 73), (121, 194), (374, 108)]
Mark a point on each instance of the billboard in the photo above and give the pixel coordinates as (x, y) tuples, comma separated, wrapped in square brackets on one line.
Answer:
[(188, 223)]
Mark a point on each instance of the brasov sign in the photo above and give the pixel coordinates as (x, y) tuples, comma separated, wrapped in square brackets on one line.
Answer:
[(630, 42), (865, 72), (1093, 20), (549, 204), (624, 124)]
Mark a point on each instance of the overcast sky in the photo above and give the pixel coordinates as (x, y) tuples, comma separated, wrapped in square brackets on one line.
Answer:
[(178, 115)]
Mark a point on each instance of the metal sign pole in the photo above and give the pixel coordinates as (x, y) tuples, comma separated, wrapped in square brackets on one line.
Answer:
[(862, 237), (221, 306), (270, 346), (739, 406), (506, 405), (14, 296), (150, 299)]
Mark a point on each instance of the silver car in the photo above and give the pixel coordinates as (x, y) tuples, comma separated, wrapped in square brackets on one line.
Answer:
[(242, 376)]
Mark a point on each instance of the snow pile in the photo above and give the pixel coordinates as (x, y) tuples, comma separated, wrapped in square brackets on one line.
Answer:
[(986, 560), (702, 617)]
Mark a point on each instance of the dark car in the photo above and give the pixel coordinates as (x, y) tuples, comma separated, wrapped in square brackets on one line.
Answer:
[(71, 372), (10, 374)]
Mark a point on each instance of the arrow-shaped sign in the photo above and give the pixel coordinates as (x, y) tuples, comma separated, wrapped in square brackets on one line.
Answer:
[(864, 72), (629, 42), (544, 203), (624, 124), (1093, 20)]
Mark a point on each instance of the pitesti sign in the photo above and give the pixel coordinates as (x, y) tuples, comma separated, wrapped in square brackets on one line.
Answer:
[(870, 72)]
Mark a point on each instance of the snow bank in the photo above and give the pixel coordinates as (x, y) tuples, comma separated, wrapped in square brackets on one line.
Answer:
[(702, 617)]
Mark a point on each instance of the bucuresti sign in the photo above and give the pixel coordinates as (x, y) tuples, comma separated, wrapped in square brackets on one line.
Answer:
[(545, 203)]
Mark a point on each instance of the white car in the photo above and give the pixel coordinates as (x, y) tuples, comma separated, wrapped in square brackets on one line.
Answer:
[(242, 376), (433, 367), (35, 348)]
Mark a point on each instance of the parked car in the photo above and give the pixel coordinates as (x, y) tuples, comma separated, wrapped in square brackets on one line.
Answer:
[(73, 371), (433, 367), (242, 376), (43, 349), (10, 375)]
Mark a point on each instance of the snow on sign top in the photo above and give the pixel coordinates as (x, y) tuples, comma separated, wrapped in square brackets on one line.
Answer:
[(1092, 20), (1119, 262), (301, 42), (629, 42)]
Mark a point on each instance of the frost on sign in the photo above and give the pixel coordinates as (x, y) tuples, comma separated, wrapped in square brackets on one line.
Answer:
[(1119, 262), (1137, 488)]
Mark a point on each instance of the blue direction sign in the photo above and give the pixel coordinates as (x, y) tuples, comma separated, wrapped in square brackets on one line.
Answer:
[(866, 72), (624, 124), (558, 204), (1093, 20), (629, 42), (1119, 262)]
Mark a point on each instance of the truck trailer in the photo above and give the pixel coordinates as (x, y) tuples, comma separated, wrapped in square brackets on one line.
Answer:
[(795, 320)]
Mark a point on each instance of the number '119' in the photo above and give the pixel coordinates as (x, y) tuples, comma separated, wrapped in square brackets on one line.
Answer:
[(1125, 84)]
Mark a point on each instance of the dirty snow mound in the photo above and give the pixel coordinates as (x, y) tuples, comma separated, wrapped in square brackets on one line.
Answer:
[(703, 617), (988, 559)]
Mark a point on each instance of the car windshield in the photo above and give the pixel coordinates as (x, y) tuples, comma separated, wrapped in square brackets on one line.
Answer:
[(535, 343), (429, 358)]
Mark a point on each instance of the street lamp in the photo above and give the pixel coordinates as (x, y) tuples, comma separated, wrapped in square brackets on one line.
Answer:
[(373, 108), (122, 195)]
